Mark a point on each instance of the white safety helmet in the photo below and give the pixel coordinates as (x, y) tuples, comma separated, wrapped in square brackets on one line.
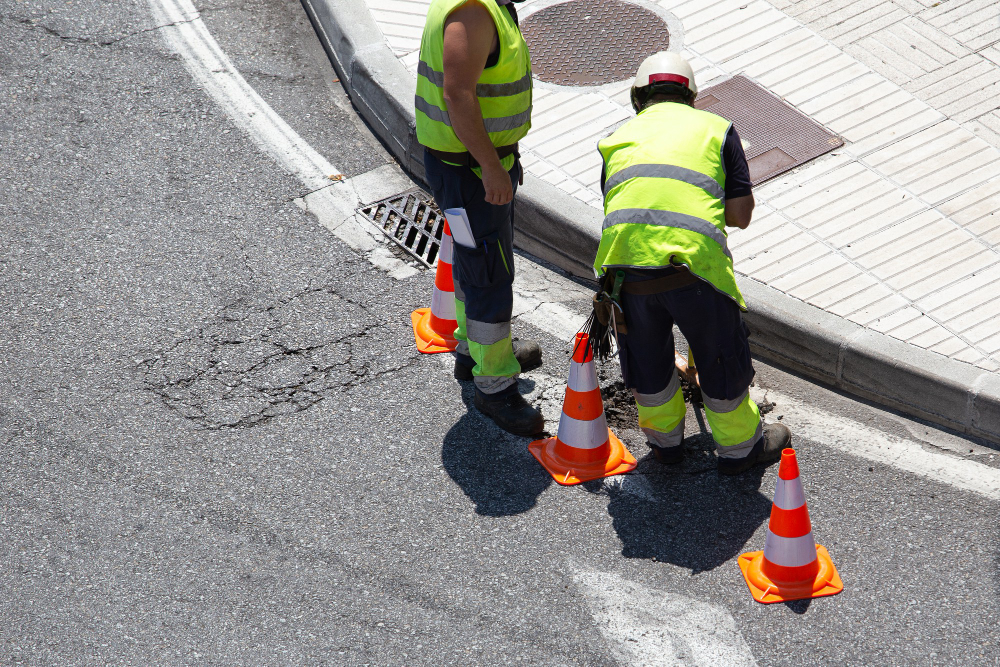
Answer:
[(663, 72)]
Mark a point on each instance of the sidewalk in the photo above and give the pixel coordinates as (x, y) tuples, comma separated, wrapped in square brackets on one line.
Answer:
[(896, 233)]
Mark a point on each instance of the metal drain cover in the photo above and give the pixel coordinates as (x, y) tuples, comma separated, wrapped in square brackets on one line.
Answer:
[(412, 220), (592, 42), (775, 136)]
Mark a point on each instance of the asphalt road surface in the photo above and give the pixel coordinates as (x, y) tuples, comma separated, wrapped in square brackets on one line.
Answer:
[(220, 445)]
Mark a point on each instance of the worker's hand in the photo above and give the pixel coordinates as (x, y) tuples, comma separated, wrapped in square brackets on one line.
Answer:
[(496, 182)]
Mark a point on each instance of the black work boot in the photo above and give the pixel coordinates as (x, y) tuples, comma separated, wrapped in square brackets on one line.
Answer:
[(766, 450), (511, 413), (667, 455), (527, 352)]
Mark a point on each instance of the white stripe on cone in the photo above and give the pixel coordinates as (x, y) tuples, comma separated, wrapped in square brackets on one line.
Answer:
[(582, 377), (443, 304), (583, 434), (445, 251), (789, 551), (788, 495)]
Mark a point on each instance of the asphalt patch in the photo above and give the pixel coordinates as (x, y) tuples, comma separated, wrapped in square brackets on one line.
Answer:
[(257, 361)]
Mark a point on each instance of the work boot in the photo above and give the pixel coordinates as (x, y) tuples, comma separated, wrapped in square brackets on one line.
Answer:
[(768, 449), (527, 352), (511, 413), (667, 455)]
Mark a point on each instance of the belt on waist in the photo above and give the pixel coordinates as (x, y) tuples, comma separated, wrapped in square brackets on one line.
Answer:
[(465, 159), (682, 278)]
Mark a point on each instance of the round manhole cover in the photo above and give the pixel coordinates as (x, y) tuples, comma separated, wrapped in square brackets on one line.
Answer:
[(592, 42)]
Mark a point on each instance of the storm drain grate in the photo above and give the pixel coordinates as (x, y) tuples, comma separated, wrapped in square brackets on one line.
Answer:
[(412, 221), (776, 137)]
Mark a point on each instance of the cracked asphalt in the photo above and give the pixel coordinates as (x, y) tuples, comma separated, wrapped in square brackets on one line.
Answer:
[(221, 447)]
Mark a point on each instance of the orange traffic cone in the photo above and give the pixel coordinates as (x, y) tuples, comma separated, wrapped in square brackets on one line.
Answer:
[(434, 327), (584, 447), (791, 566)]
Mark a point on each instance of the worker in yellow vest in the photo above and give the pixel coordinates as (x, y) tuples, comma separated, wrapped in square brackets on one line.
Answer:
[(473, 104), (674, 178)]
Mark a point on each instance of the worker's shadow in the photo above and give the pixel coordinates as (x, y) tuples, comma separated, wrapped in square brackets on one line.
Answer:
[(493, 468), (688, 515)]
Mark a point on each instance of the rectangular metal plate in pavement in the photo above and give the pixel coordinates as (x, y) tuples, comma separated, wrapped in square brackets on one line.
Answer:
[(775, 136), (412, 221)]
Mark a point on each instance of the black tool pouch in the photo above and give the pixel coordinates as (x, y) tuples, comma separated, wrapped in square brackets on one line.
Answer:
[(606, 302)]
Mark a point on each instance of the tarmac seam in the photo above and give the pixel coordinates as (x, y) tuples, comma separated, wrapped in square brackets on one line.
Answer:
[(94, 42)]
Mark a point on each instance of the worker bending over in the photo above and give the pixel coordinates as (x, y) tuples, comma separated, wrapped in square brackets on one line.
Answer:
[(473, 104), (674, 178)]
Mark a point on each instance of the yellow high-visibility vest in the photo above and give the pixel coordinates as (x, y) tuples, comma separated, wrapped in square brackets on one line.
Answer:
[(504, 90), (664, 195)]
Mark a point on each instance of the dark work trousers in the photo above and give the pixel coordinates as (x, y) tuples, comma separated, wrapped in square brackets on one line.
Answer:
[(484, 275), (713, 325)]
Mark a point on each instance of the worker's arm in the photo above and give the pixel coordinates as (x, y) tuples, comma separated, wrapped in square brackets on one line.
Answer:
[(739, 194), (469, 36), (738, 211)]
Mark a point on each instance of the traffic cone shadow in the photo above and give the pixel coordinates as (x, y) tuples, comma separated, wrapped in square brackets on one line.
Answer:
[(696, 520), (496, 473)]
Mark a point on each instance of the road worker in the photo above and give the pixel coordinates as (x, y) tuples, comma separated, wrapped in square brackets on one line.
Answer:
[(674, 178), (473, 104)]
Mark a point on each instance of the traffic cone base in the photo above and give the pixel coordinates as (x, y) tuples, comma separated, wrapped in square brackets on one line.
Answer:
[(791, 566), (429, 333), (766, 590), (434, 327), (610, 459)]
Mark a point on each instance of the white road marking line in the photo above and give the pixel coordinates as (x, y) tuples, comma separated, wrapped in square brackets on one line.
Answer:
[(334, 203), (859, 440), (645, 626)]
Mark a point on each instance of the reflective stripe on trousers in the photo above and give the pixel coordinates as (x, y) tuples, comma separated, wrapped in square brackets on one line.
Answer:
[(491, 348), (735, 424), (482, 275), (661, 415), (489, 345)]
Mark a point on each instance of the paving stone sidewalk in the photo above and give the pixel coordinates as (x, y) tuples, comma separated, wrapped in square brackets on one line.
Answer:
[(896, 231)]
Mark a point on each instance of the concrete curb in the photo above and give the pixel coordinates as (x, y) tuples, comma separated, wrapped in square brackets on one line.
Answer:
[(563, 230)]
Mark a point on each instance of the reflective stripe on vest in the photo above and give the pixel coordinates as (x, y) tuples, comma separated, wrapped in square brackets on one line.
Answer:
[(504, 90), (664, 195), (706, 183), (491, 124), (482, 89), (645, 216)]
